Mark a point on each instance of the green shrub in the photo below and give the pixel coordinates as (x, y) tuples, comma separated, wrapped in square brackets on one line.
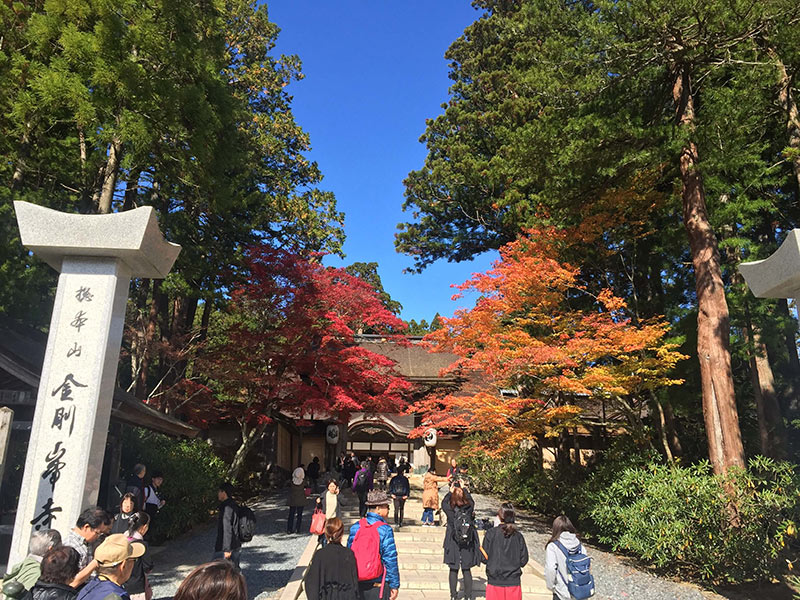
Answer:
[(191, 471), (686, 520)]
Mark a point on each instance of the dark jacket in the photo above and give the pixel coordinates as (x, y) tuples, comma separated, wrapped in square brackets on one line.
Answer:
[(388, 549), (456, 556), (121, 522), (102, 589), (142, 566), (399, 486), (53, 591), (369, 484), (506, 557), (297, 495), (313, 470), (332, 575), (135, 486), (228, 527)]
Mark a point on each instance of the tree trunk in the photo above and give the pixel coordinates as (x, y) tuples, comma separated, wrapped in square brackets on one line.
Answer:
[(789, 106), (110, 177), (24, 151), (662, 430), (713, 322), (791, 399), (672, 431), (250, 435), (148, 342), (131, 190), (771, 433)]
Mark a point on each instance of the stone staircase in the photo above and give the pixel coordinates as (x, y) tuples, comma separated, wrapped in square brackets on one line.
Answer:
[(423, 575)]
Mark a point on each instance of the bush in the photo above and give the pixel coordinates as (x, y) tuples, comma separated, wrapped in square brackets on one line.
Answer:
[(191, 471), (686, 520)]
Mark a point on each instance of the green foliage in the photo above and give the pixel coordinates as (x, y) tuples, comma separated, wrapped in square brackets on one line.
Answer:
[(191, 471), (682, 520)]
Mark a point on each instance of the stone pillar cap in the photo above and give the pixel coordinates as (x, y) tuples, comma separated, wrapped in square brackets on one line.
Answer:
[(132, 236), (777, 276)]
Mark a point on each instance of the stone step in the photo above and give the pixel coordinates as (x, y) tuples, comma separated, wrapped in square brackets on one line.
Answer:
[(422, 580), (407, 594)]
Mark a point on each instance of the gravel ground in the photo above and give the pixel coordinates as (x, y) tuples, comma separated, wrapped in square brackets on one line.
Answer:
[(267, 561), (616, 578)]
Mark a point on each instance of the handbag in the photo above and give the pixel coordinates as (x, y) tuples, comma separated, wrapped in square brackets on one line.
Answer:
[(317, 522), (307, 492)]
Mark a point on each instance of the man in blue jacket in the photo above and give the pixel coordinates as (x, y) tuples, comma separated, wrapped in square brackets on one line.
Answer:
[(377, 512)]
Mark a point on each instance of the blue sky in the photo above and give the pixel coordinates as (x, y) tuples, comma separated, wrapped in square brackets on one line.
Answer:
[(374, 71)]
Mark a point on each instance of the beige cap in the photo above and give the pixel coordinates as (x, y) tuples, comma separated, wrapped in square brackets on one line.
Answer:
[(116, 549)]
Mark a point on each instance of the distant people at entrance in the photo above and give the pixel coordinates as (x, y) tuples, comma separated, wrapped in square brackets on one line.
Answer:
[(348, 471), (227, 545), (455, 472), (313, 474), (403, 466), (399, 490), (297, 501), (362, 484), (152, 502), (382, 474), (461, 543), (332, 574), (505, 555), (218, 580), (372, 541), (430, 495)]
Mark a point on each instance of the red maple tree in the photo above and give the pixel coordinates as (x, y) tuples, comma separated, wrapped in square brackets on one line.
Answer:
[(287, 345)]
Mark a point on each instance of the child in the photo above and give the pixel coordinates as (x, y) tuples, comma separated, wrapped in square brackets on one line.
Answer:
[(137, 586)]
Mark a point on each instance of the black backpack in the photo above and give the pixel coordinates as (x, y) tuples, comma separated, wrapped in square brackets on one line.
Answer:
[(247, 523), (361, 481), (463, 527)]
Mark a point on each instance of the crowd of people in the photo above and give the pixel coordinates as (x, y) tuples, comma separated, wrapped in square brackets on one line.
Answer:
[(366, 568), (106, 556)]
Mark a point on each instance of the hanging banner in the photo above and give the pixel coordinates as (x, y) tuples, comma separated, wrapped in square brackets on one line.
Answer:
[(332, 434)]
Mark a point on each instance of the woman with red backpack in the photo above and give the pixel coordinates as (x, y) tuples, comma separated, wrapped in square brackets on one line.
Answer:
[(461, 543)]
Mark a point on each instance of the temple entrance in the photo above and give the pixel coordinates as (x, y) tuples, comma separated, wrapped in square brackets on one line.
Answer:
[(378, 439)]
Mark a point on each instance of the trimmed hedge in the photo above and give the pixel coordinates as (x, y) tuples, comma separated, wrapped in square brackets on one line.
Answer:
[(681, 520), (191, 471)]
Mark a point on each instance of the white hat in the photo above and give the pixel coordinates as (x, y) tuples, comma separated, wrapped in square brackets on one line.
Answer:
[(298, 476)]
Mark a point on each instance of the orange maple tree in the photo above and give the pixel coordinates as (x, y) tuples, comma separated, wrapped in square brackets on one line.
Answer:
[(538, 330)]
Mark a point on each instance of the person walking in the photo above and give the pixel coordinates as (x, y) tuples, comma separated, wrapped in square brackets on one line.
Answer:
[(330, 502), (227, 545), (297, 501), (218, 580), (313, 474), (59, 567), (430, 495), (399, 490), (348, 470), (403, 466), (362, 484), (137, 586), (382, 473), (386, 584), (115, 558), (461, 543), (332, 574), (555, 562), (505, 555)]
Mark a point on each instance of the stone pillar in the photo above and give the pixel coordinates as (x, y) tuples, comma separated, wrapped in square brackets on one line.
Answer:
[(96, 255)]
